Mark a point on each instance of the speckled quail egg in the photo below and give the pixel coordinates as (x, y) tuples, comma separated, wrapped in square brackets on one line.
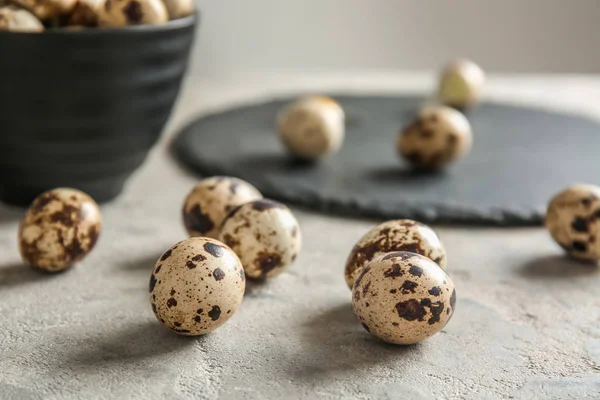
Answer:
[(119, 13), (46, 9), (196, 286), (573, 220), (395, 235), (312, 128), (85, 13), (265, 235), (180, 8), (461, 84), (403, 298), (18, 20), (60, 228), (437, 137), (209, 202)]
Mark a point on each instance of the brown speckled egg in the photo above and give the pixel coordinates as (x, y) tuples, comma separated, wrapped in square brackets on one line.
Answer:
[(196, 286), (403, 298), (573, 220), (119, 13), (209, 202), (60, 228), (437, 137), (312, 128), (18, 20), (461, 84), (85, 13), (395, 235), (180, 8), (46, 9), (265, 235)]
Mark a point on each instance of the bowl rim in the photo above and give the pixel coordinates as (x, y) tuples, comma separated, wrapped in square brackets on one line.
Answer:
[(170, 25)]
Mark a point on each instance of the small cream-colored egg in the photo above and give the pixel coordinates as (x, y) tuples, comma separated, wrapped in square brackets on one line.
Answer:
[(312, 128), (437, 137), (265, 235), (196, 286), (403, 298), (209, 202), (119, 13), (46, 9), (573, 220), (85, 13), (60, 228), (461, 84), (16, 19), (180, 8), (395, 235)]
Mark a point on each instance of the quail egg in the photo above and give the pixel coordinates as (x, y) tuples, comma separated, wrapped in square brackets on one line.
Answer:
[(265, 235), (46, 9), (196, 286), (18, 20), (180, 8), (395, 235), (312, 128), (403, 298), (573, 220), (85, 13), (461, 84), (119, 13), (209, 202), (437, 137), (60, 228)]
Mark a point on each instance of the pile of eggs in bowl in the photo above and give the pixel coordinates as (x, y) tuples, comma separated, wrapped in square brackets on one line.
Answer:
[(39, 15)]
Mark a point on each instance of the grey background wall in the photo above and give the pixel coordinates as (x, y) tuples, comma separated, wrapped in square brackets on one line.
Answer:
[(240, 37)]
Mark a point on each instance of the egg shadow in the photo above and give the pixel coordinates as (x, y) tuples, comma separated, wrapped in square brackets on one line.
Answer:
[(355, 118), (266, 163), (399, 174), (139, 343), (557, 267), (336, 342), (19, 274)]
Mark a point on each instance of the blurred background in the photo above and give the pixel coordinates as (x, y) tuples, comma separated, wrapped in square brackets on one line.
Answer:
[(240, 37)]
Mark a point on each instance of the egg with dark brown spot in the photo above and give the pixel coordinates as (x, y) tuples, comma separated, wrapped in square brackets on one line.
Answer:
[(119, 13), (573, 220), (85, 14), (395, 235), (196, 286), (403, 298), (60, 228), (265, 235), (438, 136), (209, 202)]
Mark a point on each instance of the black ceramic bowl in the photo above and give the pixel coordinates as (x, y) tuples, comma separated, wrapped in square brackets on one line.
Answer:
[(83, 108)]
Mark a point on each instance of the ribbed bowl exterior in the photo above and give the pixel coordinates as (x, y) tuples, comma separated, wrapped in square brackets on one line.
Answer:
[(83, 108)]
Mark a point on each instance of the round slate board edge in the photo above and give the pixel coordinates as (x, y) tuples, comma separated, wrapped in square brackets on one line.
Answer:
[(440, 214), (288, 98)]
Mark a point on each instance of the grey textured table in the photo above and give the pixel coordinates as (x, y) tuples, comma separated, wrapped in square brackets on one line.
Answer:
[(526, 325)]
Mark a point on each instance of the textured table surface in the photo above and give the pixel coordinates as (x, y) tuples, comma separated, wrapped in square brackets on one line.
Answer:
[(526, 325)]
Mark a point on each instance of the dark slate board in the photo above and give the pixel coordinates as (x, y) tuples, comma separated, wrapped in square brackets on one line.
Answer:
[(520, 158)]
